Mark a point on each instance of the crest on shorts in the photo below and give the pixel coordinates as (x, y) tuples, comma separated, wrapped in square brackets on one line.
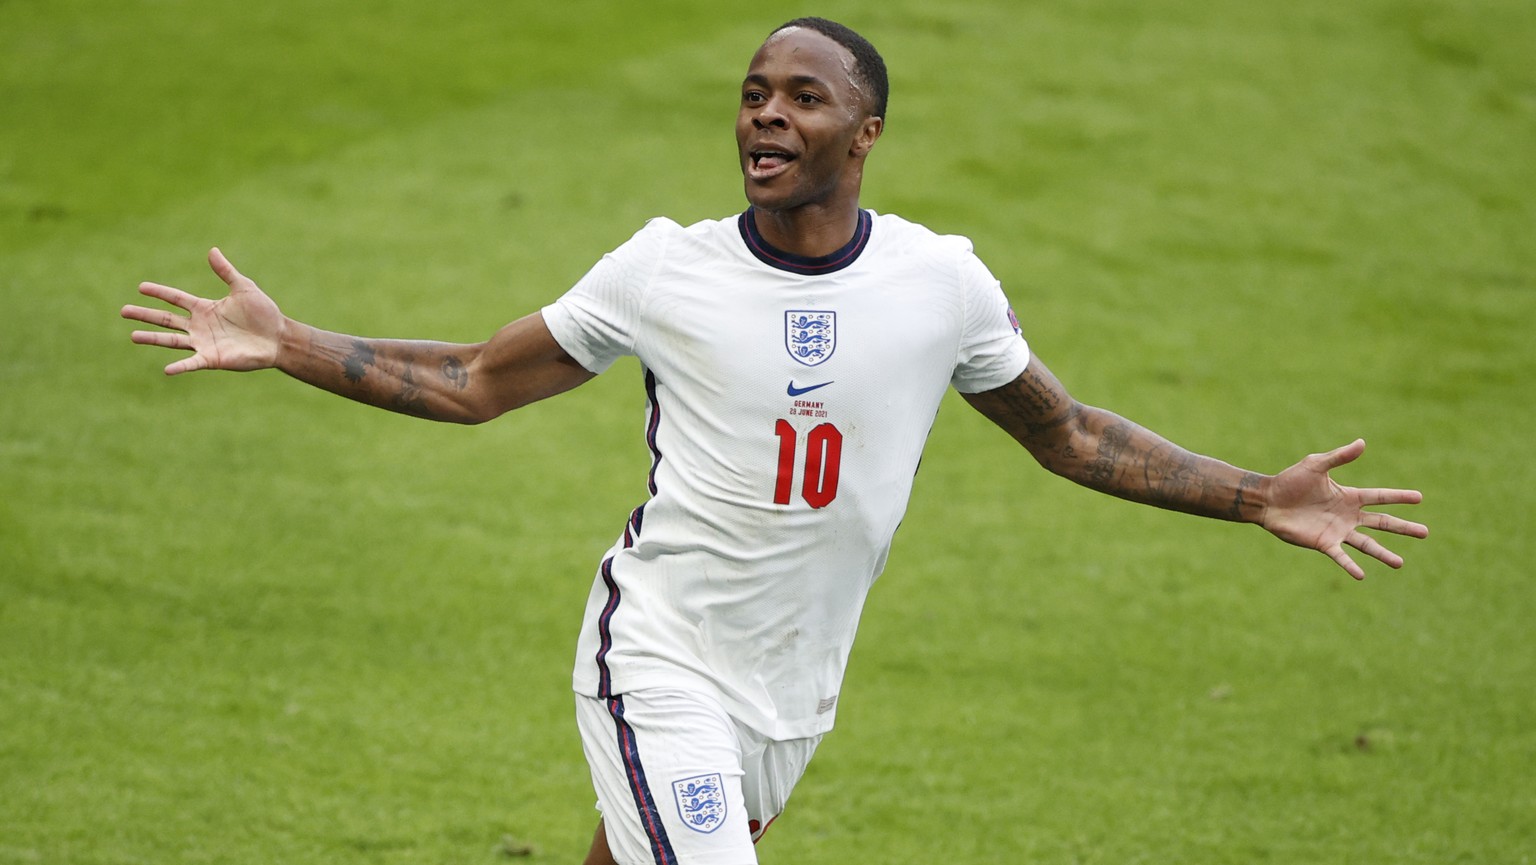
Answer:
[(810, 335), (701, 802)]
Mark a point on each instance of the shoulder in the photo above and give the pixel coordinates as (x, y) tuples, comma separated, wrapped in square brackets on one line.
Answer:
[(897, 233), (656, 232), (661, 234), (666, 227), (904, 244), (647, 247)]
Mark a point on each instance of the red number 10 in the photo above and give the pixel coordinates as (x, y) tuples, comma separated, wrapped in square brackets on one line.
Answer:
[(823, 456)]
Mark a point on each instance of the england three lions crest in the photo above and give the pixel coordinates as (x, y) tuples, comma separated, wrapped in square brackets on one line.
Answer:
[(701, 802), (810, 335)]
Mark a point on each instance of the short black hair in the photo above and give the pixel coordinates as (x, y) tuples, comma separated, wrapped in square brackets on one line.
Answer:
[(868, 65)]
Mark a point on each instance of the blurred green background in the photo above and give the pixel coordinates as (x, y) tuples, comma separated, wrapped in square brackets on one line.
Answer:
[(244, 621)]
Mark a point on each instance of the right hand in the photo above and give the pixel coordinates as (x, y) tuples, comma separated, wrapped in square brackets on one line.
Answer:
[(242, 331)]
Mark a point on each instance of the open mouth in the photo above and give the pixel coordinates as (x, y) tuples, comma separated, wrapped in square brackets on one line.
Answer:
[(768, 163)]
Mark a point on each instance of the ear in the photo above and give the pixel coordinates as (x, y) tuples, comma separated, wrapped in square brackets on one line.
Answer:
[(868, 134)]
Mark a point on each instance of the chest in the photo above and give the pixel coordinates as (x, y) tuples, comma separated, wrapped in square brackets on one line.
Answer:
[(741, 331)]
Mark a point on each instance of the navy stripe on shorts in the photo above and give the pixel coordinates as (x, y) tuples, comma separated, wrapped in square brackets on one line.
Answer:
[(650, 817)]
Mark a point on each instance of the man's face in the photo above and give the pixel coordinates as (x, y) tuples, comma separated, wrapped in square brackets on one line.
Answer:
[(802, 131)]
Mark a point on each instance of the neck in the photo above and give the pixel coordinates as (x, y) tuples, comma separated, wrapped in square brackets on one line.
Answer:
[(811, 230)]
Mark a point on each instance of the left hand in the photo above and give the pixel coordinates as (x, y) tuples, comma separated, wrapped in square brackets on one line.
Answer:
[(1307, 508)]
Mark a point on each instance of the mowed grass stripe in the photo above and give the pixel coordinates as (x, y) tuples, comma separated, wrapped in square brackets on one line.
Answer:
[(366, 659)]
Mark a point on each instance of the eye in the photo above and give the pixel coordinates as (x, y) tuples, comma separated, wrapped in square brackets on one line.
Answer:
[(807, 98), (752, 96)]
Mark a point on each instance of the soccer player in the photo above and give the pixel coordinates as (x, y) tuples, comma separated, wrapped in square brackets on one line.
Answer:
[(794, 358)]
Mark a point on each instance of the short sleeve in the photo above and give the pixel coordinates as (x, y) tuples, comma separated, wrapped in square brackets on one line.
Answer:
[(596, 321), (993, 351)]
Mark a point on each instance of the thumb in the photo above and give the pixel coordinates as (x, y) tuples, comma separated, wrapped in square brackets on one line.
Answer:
[(1343, 455), (223, 268)]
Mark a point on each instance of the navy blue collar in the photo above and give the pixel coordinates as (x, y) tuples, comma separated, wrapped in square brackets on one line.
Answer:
[(803, 264)]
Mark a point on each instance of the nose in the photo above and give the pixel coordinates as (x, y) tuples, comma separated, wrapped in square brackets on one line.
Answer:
[(770, 114)]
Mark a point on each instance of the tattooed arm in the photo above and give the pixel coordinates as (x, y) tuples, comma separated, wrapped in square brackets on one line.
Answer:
[(469, 383), (1103, 451), (1106, 452), (440, 381)]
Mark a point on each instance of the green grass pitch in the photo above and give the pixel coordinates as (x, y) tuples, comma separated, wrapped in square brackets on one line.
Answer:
[(242, 621)]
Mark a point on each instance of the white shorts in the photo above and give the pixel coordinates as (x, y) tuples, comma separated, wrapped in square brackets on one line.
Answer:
[(679, 782)]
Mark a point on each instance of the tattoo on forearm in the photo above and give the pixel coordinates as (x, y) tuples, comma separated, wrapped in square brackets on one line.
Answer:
[(1172, 476), (409, 399), (385, 373), (1250, 481), (1112, 444), (455, 372), (355, 365)]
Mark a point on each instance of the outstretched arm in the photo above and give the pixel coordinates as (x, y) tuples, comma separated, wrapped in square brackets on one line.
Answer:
[(1101, 450), (463, 383)]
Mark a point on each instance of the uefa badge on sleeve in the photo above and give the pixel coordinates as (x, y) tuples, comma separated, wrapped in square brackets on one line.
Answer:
[(701, 802)]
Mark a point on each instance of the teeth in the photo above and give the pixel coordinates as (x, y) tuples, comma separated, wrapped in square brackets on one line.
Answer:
[(777, 159)]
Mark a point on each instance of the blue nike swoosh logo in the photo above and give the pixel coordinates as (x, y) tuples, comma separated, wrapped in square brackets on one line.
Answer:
[(797, 391)]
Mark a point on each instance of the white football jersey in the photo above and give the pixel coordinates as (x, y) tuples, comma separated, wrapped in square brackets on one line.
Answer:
[(788, 400)]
